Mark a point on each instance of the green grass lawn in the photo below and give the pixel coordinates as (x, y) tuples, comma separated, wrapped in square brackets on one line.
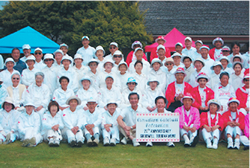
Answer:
[(13, 155)]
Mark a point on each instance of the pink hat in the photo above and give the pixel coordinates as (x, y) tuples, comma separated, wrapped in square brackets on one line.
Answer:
[(180, 70), (160, 38), (233, 99), (187, 96)]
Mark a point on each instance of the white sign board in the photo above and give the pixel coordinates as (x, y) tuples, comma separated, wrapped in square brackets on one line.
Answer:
[(157, 127)]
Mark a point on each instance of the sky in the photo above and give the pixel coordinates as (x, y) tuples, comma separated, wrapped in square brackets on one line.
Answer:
[(2, 3)]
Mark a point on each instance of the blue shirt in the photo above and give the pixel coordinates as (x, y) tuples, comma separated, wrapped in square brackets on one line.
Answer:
[(87, 54), (20, 66)]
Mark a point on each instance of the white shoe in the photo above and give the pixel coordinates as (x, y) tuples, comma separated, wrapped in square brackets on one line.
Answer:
[(237, 145), (187, 143), (51, 142), (124, 141), (113, 142), (230, 145), (215, 146), (209, 144), (170, 144), (135, 143), (106, 141), (149, 144)]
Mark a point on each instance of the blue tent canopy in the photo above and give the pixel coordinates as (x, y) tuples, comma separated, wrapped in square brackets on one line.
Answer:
[(29, 36)]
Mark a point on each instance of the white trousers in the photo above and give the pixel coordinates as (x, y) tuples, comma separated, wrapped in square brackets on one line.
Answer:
[(233, 131), (244, 140), (74, 137), (95, 130), (13, 136), (113, 131), (30, 133), (189, 133), (54, 134), (210, 135)]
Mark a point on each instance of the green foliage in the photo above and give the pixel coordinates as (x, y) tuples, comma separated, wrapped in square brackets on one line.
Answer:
[(68, 21)]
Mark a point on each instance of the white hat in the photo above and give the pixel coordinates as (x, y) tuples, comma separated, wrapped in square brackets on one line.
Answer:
[(180, 70), (29, 104), (216, 63), (91, 99), (112, 102), (122, 63), (214, 101), (202, 75), (10, 60), (78, 56), (237, 62), (138, 49), (31, 57), (14, 73), (236, 56), (73, 98), (169, 60), (160, 47), (187, 95), (176, 54), (198, 41), (199, 59), (225, 48), (109, 76), (48, 56), (64, 45), (131, 80), (86, 78), (184, 57), (66, 57), (218, 39), (38, 49), (153, 79), (93, 60), (233, 99), (136, 43), (224, 57), (188, 38), (113, 43), (58, 51), (85, 37), (26, 46), (154, 61), (110, 61), (179, 44), (100, 48), (9, 100), (204, 47), (118, 52)]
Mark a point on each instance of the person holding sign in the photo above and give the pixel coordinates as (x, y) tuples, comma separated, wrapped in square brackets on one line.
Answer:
[(127, 119), (212, 124), (189, 121)]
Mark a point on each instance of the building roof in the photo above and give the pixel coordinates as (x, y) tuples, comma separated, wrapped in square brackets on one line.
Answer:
[(197, 17)]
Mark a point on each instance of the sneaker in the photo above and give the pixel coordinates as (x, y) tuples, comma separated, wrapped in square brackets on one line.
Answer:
[(149, 144), (215, 146), (51, 142), (72, 143), (32, 142), (237, 145), (230, 145), (135, 143), (95, 142), (56, 143), (26, 143), (209, 144), (124, 141), (79, 143), (106, 141), (195, 141), (170, 144), (89, 142), (113, 142), (187, 143)]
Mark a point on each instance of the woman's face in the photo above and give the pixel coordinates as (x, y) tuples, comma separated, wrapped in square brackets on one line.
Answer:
[(15, 80), (73, 103), (64, 83), (93, 66), (131, 85), (156, 66), (213, 108), (86, 84), (9, 65), (39, 80), (111, 108), (177, 60), (109, 82), (153, 85), (169, 65), (217, 69), (224, 63), (122, 68), (246, 82), (99, 53), (138, 67), (117, 58), (202, 82), (236, 49), (66, 63), (29, 109), (7, 106), (30, 63), (198, 65), (53, 110), (78, 61)]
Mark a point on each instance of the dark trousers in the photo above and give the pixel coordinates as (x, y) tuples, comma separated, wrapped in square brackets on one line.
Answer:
[(174, 106)]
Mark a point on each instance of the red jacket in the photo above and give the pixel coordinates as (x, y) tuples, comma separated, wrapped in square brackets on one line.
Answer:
[(170, 92), (240, 118), (241, 95), (130, 56), (204, 120), (197, 97), (154, 54)]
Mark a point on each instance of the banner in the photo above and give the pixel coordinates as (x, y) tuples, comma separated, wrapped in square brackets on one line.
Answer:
[(157, 127)]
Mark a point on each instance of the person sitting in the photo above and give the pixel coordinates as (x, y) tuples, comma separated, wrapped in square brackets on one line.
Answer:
[(242, 94), (211, 124), (131, 55), (245, 138), (233, 123), (8, 122), (73, 122), (52, 125), (189, 118), (6, 74), (29, 125), (109, 124)]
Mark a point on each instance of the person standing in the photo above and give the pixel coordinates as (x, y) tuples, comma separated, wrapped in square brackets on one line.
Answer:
[(19, 65), (189, 50), (215, 53), (160, 41)]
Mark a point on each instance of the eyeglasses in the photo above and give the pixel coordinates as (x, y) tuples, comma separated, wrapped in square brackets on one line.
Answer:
[(38, 53), (48, 60), (169, 64), (131, 83), (117, 56), (15, 78), (112, 47)]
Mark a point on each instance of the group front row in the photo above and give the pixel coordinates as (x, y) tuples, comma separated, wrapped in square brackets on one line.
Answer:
[(74, 124)]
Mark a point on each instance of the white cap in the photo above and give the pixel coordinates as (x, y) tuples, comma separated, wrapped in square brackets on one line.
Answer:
[(86, 78), (122, 63), (176, 54), (26, 46), (31, 57), (113, 43), (9, 60), (204, 47), (199, 41), (138, 49), (58, 51), (109, 76), (199, 59), (118, 52), (188, 38), (85, 37), (73, 98), (215, 64), (161, 47), (224, 57), (100, 48), (38, 49), (156, 60), (110, 61), (66, 57), (136, 43), (214, 101), (93, 60), (8, 100), (112, 102), (48, 56), (64, 45), (29, 104), (91, 99), (153, 79), (187, 95), (179, 44), (78, 56)]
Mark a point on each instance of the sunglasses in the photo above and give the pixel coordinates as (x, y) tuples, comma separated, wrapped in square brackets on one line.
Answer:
[(38, 53), (117, 56), (112, 47), (15, 78), (48, 60), (247, 80), (169, 64)]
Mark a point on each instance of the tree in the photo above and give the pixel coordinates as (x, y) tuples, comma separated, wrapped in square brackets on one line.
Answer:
[(68, 21)]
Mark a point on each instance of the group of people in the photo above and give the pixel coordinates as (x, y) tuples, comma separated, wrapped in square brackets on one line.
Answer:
[(55, 97)]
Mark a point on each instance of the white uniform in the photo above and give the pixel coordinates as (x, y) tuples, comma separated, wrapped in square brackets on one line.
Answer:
[(48, 122), (92, 118), (193, 76), (145, 69), (141, 80), (188, 72), (100, 80), (28, 76), (38, 96), (71, 74), (8, 123), (170, 76), (50, 78), (236, 80), (214, 80), (87, 54), (246, 60), (122, 79), (228, 70), (105, 95), (190, 52), (61, 96), (80, 73), (150, 95), (100, 65), (161, 78), (208, 64), (93, 78), (40, 65), (5, 75), (29, 126), (125, 102), (108, 119), (3, 94), (56, 66), (85, 95), (70, 120)]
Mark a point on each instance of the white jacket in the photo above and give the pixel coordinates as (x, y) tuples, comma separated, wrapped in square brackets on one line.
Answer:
[(145, 69), (160, 76), (8, 120), (193, 76), (28, 76), (5, 75), (71, 74), (122, 79), (214, 80), (100, 80), (150, 95), (92, 118), (105, 95), (108, 119), (93, 77), (50, 78), (236, 81), (85, 95), (61, 96), (80, 73), (141, 81), (223, 94), (72, 119), (125, 102), (48, 121), (26, 121), (40, 65)]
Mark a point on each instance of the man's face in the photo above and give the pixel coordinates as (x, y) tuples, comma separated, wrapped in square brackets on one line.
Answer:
[(160, 104), (30, 63), (178, 49), (66, 63), (179, 77), (161, 53), (233, 106), (217, 69), (160, 42), (91, 106), (188, 43), (139, 55), (15, 54), (226, 53), (204, 52), (85, 42), (156, 66), (111, 108), (109, 81), (117, 58), (26, 52), (153, 85), (202, 82), (187, 102), (133, 100), (177, 60), (112, 49), (49, 62), (58, 57), (73, 103), (187, 62), (218, 44), (38, 55), (198, 46), (64, 49)]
